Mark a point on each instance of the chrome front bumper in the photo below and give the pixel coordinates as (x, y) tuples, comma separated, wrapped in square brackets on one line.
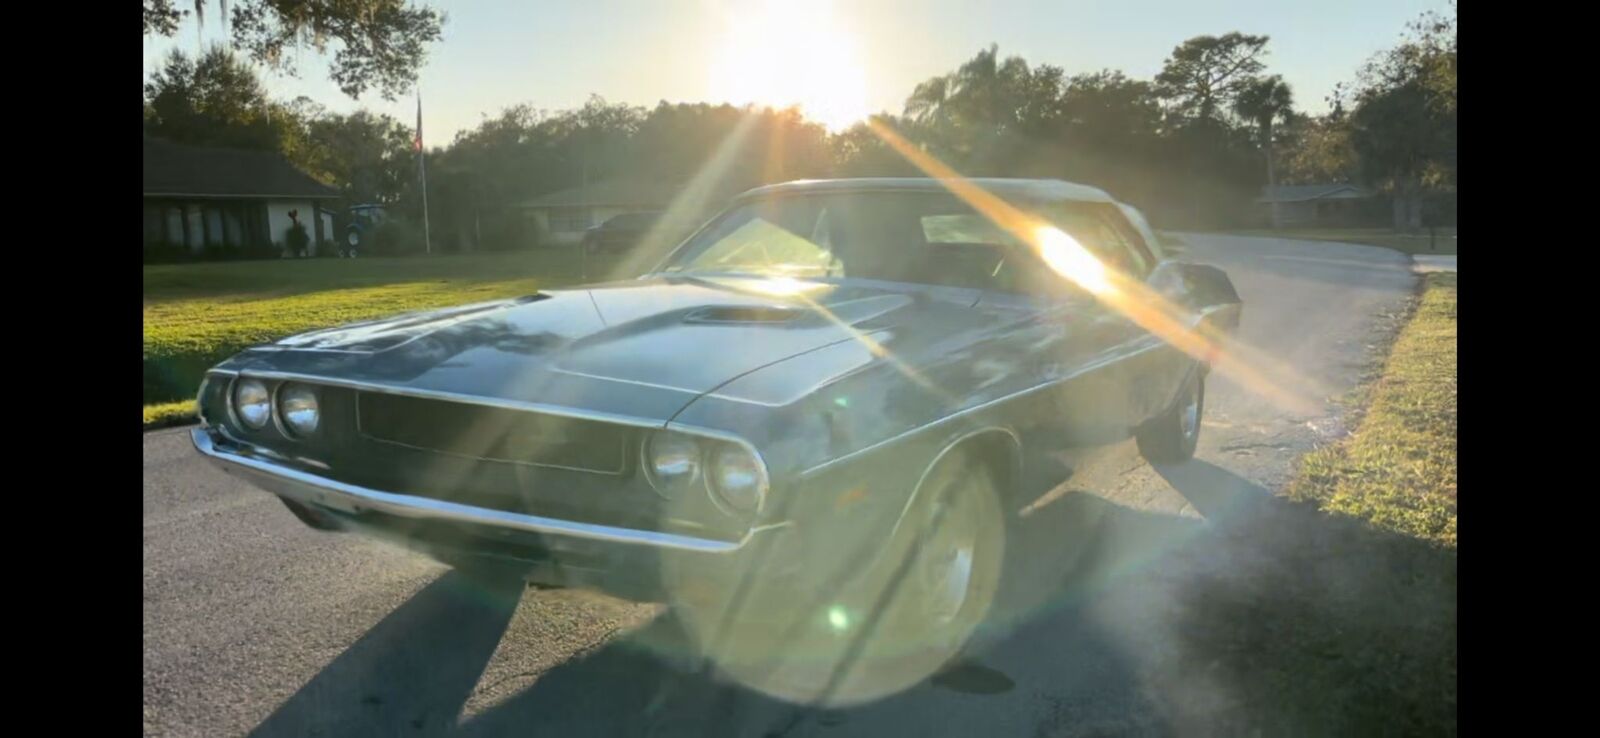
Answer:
[(280, 478)]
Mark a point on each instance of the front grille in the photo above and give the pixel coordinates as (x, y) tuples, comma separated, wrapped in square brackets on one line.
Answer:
[(492, 433)]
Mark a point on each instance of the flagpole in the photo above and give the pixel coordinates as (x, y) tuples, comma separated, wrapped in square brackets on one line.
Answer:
[(422, 169)]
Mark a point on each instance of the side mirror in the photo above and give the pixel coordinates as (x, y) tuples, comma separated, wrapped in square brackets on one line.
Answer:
[(1202, 284)]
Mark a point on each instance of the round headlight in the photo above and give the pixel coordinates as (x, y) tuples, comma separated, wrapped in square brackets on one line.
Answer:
[(297, 406), (673, 460), (252, 403), (738, 478)]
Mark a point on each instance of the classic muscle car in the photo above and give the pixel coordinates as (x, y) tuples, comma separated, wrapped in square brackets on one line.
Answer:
[(813, 414)]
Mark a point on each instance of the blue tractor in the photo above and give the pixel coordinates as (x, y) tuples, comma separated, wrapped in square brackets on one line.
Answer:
[(363, 220)]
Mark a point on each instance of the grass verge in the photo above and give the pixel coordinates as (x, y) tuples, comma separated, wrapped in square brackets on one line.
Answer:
[(1398, 470), (196, 315), (168, 414)]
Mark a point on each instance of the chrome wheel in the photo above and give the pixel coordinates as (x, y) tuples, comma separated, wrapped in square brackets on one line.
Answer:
[(945, 562), (1189, 414)]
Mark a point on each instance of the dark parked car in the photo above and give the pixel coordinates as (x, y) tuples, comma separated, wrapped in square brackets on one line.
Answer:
[(619, 233), (809, 422)]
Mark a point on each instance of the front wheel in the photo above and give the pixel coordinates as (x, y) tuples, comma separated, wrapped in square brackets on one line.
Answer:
[(1171, 437), (913, 610), (949, 554)]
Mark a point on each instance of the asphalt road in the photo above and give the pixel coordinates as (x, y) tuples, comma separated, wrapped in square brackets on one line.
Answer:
[(254, 623)]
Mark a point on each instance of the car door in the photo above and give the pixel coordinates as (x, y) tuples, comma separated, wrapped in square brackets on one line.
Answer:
[(1114, 373), (1153, 369), (1072, 346)]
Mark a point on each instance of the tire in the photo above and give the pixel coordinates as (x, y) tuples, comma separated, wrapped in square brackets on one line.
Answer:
[(887, 630), (962, 484), (1171, 437), (310, 517)]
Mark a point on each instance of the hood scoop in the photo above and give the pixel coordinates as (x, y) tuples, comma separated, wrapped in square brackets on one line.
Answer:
[(745, 314)]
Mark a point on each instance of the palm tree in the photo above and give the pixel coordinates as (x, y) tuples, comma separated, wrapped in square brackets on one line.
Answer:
[(927, 101), (1263, 103)]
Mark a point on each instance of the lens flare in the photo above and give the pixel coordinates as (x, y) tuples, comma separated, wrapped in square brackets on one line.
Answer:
[(1252, 369), (1070, 259)]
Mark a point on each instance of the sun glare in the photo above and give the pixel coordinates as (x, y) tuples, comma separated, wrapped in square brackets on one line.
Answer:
[(1069, 258), (778, 54)]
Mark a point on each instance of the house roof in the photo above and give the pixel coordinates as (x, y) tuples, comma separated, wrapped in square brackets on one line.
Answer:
[(173, 169), (614, 192), (1302, 193), (1023, 189)]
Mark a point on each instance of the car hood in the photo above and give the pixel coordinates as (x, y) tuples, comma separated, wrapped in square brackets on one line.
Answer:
[(641, 348)]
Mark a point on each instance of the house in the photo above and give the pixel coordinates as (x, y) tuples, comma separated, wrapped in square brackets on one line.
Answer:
[(561, 217), (228, 201), (1322, 205)]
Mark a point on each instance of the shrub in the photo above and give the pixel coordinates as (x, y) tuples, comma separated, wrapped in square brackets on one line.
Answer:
[(508, 232), (396, 237), (296, 239)]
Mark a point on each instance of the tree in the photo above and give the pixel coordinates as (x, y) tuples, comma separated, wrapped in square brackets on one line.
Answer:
[(1319, 150), (1403, 127), (215, 101), (979, 116), (381, 44), (161, 16), (859, 152), (366, 155), (1263, 102), (1205, 73)]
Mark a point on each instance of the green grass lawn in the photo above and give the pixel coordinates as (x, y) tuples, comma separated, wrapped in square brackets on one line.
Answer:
[(196, 315), (1410, 243)]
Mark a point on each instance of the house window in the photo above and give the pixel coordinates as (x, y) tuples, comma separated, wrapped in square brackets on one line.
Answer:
[(213, 226), (153, 227), (568, 220), (196, 228), (231, 229), (174, 218)]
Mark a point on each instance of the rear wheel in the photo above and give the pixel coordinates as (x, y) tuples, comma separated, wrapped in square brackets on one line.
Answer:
[(1171, 438)]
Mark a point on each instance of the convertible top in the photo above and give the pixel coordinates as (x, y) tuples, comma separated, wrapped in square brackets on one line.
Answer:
[(1006, 189)]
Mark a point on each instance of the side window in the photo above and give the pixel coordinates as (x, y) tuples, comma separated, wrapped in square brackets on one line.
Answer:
[(1087, 224), (1119, 234)]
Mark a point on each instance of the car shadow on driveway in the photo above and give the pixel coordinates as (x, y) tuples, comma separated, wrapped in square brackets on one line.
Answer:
[(1264, 616), (410, 674)]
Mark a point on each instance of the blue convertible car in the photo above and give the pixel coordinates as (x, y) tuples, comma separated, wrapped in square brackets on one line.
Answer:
[(807, 423)]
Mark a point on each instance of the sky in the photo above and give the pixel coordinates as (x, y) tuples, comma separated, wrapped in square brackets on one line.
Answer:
[(839, 60)]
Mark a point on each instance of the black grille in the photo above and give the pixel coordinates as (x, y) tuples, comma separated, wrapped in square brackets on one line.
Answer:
[(498, 434)]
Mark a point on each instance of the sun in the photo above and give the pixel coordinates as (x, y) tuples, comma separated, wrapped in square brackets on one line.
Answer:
[(791, 53)]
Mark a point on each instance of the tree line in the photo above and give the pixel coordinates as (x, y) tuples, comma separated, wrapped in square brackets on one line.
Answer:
[(1192, 146)]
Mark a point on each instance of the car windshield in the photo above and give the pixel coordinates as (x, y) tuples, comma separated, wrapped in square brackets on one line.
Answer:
[(929, 238)]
